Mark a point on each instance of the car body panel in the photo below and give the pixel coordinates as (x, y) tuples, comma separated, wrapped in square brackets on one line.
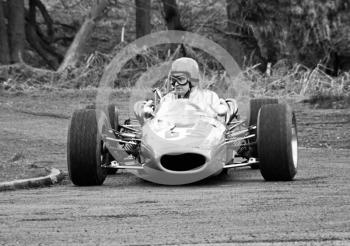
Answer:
[(181, 128)]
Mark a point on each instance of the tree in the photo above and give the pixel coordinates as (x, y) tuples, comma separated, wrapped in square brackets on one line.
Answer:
[(172, 15), (16, 32), (37, 39), (234, 46), (257, 28), (173, 22), (143, 17), (18, 24), (4, 47), (77, 47)]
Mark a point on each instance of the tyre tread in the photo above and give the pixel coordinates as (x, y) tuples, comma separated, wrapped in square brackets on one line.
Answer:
[(274, 142), (83, 153)]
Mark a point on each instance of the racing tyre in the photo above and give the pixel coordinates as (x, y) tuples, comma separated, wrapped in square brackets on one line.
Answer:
[(85, 149), (255, 105), (277, 142), (113, 114)]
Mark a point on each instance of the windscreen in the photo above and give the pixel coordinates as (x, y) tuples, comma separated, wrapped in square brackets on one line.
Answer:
[(181, 112)]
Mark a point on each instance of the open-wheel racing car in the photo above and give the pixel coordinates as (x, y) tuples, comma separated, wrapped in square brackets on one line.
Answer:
[(181, 144)]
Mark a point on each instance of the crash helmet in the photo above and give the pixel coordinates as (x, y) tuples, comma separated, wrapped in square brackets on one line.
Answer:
[(186, 67)]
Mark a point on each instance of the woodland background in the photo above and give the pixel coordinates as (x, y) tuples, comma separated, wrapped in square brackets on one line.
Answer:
[(286, 47)]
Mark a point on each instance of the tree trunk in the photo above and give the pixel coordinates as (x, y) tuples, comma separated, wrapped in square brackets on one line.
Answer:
[(77, 47), (37, 39), (4, 47), (267, 46), (15, 29), (173, 22), (172, 15), (47, 18), (143, 17), (234, 46)]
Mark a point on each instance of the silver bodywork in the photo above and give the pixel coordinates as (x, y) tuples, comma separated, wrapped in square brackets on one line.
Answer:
[(181, 144)]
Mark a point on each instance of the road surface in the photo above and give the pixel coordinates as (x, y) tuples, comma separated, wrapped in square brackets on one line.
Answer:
[(237, 208)]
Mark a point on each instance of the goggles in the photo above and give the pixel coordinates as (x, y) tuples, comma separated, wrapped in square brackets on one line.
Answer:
[(179, 79)]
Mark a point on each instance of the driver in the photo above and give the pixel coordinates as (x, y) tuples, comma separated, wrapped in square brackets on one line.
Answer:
[(184, 79)]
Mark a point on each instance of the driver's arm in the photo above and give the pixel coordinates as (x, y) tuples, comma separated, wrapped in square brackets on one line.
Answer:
[(143, 110), (218, 105)]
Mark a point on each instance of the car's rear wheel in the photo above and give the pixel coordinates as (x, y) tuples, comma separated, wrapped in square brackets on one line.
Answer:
[(277, 142), (255, 105), (85, 149), (113, 114)]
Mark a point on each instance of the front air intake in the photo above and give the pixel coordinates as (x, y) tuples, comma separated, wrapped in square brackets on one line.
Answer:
[(182, 162)]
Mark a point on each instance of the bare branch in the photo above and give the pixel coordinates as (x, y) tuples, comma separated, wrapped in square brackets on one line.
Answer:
[(74, 52), (47, 17)]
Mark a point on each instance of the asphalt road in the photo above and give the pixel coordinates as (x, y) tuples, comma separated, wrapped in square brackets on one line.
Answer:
[(237, 208)]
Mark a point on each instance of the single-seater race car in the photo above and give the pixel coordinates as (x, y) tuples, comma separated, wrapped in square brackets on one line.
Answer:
[(182, 144)]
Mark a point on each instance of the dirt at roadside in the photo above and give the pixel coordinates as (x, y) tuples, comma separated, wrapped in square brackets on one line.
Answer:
[(34, 127), (323, 128)]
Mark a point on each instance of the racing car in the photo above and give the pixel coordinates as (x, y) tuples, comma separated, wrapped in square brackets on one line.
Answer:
[(182, 144)]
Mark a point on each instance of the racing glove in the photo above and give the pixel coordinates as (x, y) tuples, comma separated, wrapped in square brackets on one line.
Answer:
[(222, 108), (148, 111)]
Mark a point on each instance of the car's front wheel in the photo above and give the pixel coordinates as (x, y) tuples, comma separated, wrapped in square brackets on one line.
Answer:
[(277, 142), (254, 107), (85, 149)]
